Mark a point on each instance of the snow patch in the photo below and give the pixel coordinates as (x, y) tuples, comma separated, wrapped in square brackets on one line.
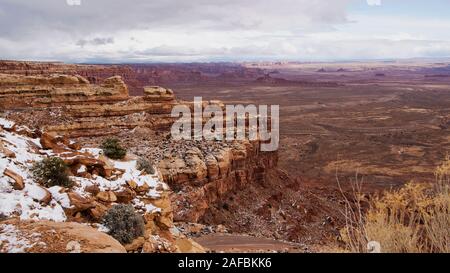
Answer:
[(35, 192), (12, 240), (6, 123)]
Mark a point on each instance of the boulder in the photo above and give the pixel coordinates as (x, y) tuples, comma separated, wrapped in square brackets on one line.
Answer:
[(132, 184), (74, 145), (79, 203), (93, 189), (98, 211), (186, 245), (18, 180), (125, 196), (56, 237), (144, 188), (136, 245), (6, 151), (38, 193), (106, 196), (157, 93), (50, 141), (107, 167)]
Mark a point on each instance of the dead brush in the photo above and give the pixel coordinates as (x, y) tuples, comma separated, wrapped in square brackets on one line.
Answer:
[(354, 233), (413, 219)]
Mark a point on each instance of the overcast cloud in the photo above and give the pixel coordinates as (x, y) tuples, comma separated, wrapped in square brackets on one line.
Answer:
[(203, 30)]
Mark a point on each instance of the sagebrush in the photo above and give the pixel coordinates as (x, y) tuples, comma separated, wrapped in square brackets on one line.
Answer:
[(146, 165), (124, 223), (51, 171), (111, 148)]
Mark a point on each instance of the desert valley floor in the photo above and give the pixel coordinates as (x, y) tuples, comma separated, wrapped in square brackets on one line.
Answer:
[(387, 122)]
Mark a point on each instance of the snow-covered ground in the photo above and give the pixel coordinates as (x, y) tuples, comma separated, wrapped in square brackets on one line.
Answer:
[(15, 241), (26, 203)]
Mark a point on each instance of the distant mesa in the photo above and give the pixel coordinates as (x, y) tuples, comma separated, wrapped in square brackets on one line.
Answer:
[(380, 75), (158, 93), (267, 79), (321, 70)]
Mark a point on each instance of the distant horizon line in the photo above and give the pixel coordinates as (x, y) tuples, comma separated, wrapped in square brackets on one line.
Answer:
[(434, 59)]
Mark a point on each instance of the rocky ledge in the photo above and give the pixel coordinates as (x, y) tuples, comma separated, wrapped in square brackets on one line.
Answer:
[(99, 183)]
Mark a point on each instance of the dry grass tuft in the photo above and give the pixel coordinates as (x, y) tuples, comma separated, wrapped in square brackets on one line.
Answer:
[(413, 219)]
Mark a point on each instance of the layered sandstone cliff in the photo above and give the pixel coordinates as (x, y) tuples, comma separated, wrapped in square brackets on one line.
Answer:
[(18, 91), (85, 108), (138, 76), (200, 173)]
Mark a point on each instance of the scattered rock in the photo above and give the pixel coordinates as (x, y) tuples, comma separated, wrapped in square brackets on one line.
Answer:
[(93, 189), (62, 237), (7, 152), (39, 194), (132, 184), (106, 196), (73, 247), (18, 180), (136, 245), (125, 196), (187, 245), (98, 211), (79, 203)]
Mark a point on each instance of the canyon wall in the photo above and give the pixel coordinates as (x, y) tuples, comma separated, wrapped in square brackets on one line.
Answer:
[(201, 176), (137, 76), (200, 173), (17, 91), (84, 109)]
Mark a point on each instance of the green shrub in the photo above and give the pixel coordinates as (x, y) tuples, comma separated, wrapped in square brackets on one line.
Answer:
[(143, 164), (124, 223), (51, 171), (112, 149)]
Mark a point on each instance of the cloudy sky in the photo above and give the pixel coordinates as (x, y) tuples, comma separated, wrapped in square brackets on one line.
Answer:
[(223, 30)]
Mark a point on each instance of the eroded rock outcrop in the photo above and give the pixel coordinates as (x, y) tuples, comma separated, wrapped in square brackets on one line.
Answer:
[(54, 237), (17, 91), (79, 108), (99, 183), (204, 176), (200, 173)]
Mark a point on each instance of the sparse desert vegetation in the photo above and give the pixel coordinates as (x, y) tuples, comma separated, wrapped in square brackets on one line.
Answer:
[(123, 223), (146, 165), (413, 219), (51, 171), (112, 148)]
